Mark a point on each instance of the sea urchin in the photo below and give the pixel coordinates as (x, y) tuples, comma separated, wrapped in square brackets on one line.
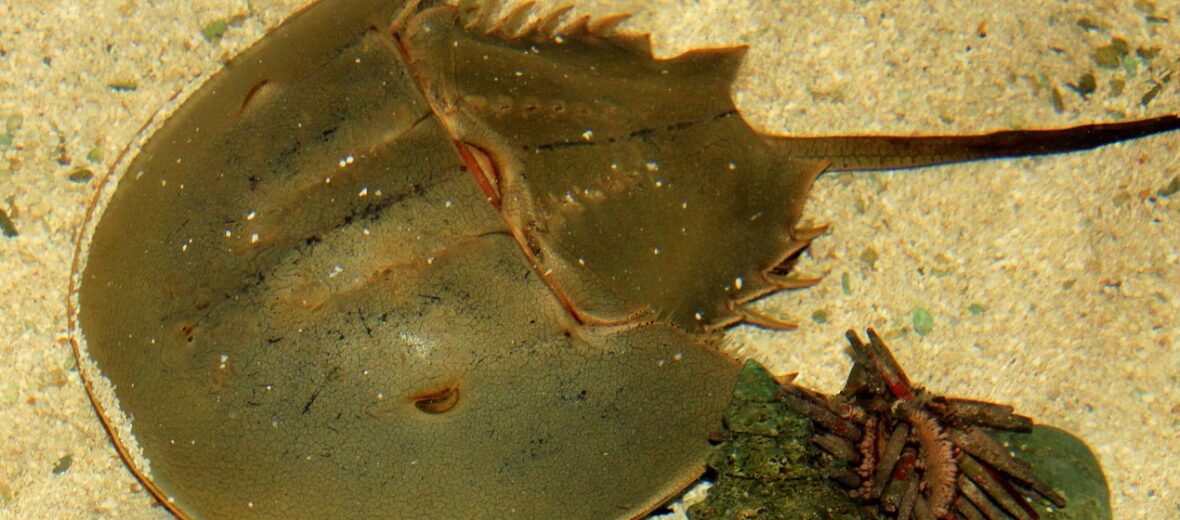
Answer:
[(916, 454)]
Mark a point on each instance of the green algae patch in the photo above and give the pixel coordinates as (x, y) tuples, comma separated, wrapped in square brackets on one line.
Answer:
[(94, 155), (213, 31), (922, 321), (820, 316), (767, 466)]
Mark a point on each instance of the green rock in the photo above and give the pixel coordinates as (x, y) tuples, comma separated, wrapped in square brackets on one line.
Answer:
[(123, 85), (767, 467), (213, 31), (1067, 464), (1085, 86), (923, 322), (80, 175), (63, 464), (820, 316), (753, 385)]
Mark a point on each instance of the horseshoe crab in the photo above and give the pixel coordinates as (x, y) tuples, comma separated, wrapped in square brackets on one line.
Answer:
[(423, 260)]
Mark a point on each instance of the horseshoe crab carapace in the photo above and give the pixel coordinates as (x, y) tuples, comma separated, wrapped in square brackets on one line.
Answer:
[(424, 261)]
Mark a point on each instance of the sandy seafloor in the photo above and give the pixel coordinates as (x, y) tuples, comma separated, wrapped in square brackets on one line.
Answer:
[(1074, 260)]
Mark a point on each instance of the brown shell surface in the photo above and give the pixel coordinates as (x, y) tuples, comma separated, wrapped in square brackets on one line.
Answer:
[(388, 264)]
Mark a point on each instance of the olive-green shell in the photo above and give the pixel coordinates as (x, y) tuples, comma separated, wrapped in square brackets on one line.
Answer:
[(403, 260), (634, 181), (308, 307)]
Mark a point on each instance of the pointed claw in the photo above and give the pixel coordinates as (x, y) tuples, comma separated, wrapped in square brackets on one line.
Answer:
[(790, 282), (720, 323), (786, 379), (758, 319), (753, 292), (789, 253), (807, 234)]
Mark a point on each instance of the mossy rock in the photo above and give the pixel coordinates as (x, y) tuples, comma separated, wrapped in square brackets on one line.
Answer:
[(1066, 463), (767, 467)]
